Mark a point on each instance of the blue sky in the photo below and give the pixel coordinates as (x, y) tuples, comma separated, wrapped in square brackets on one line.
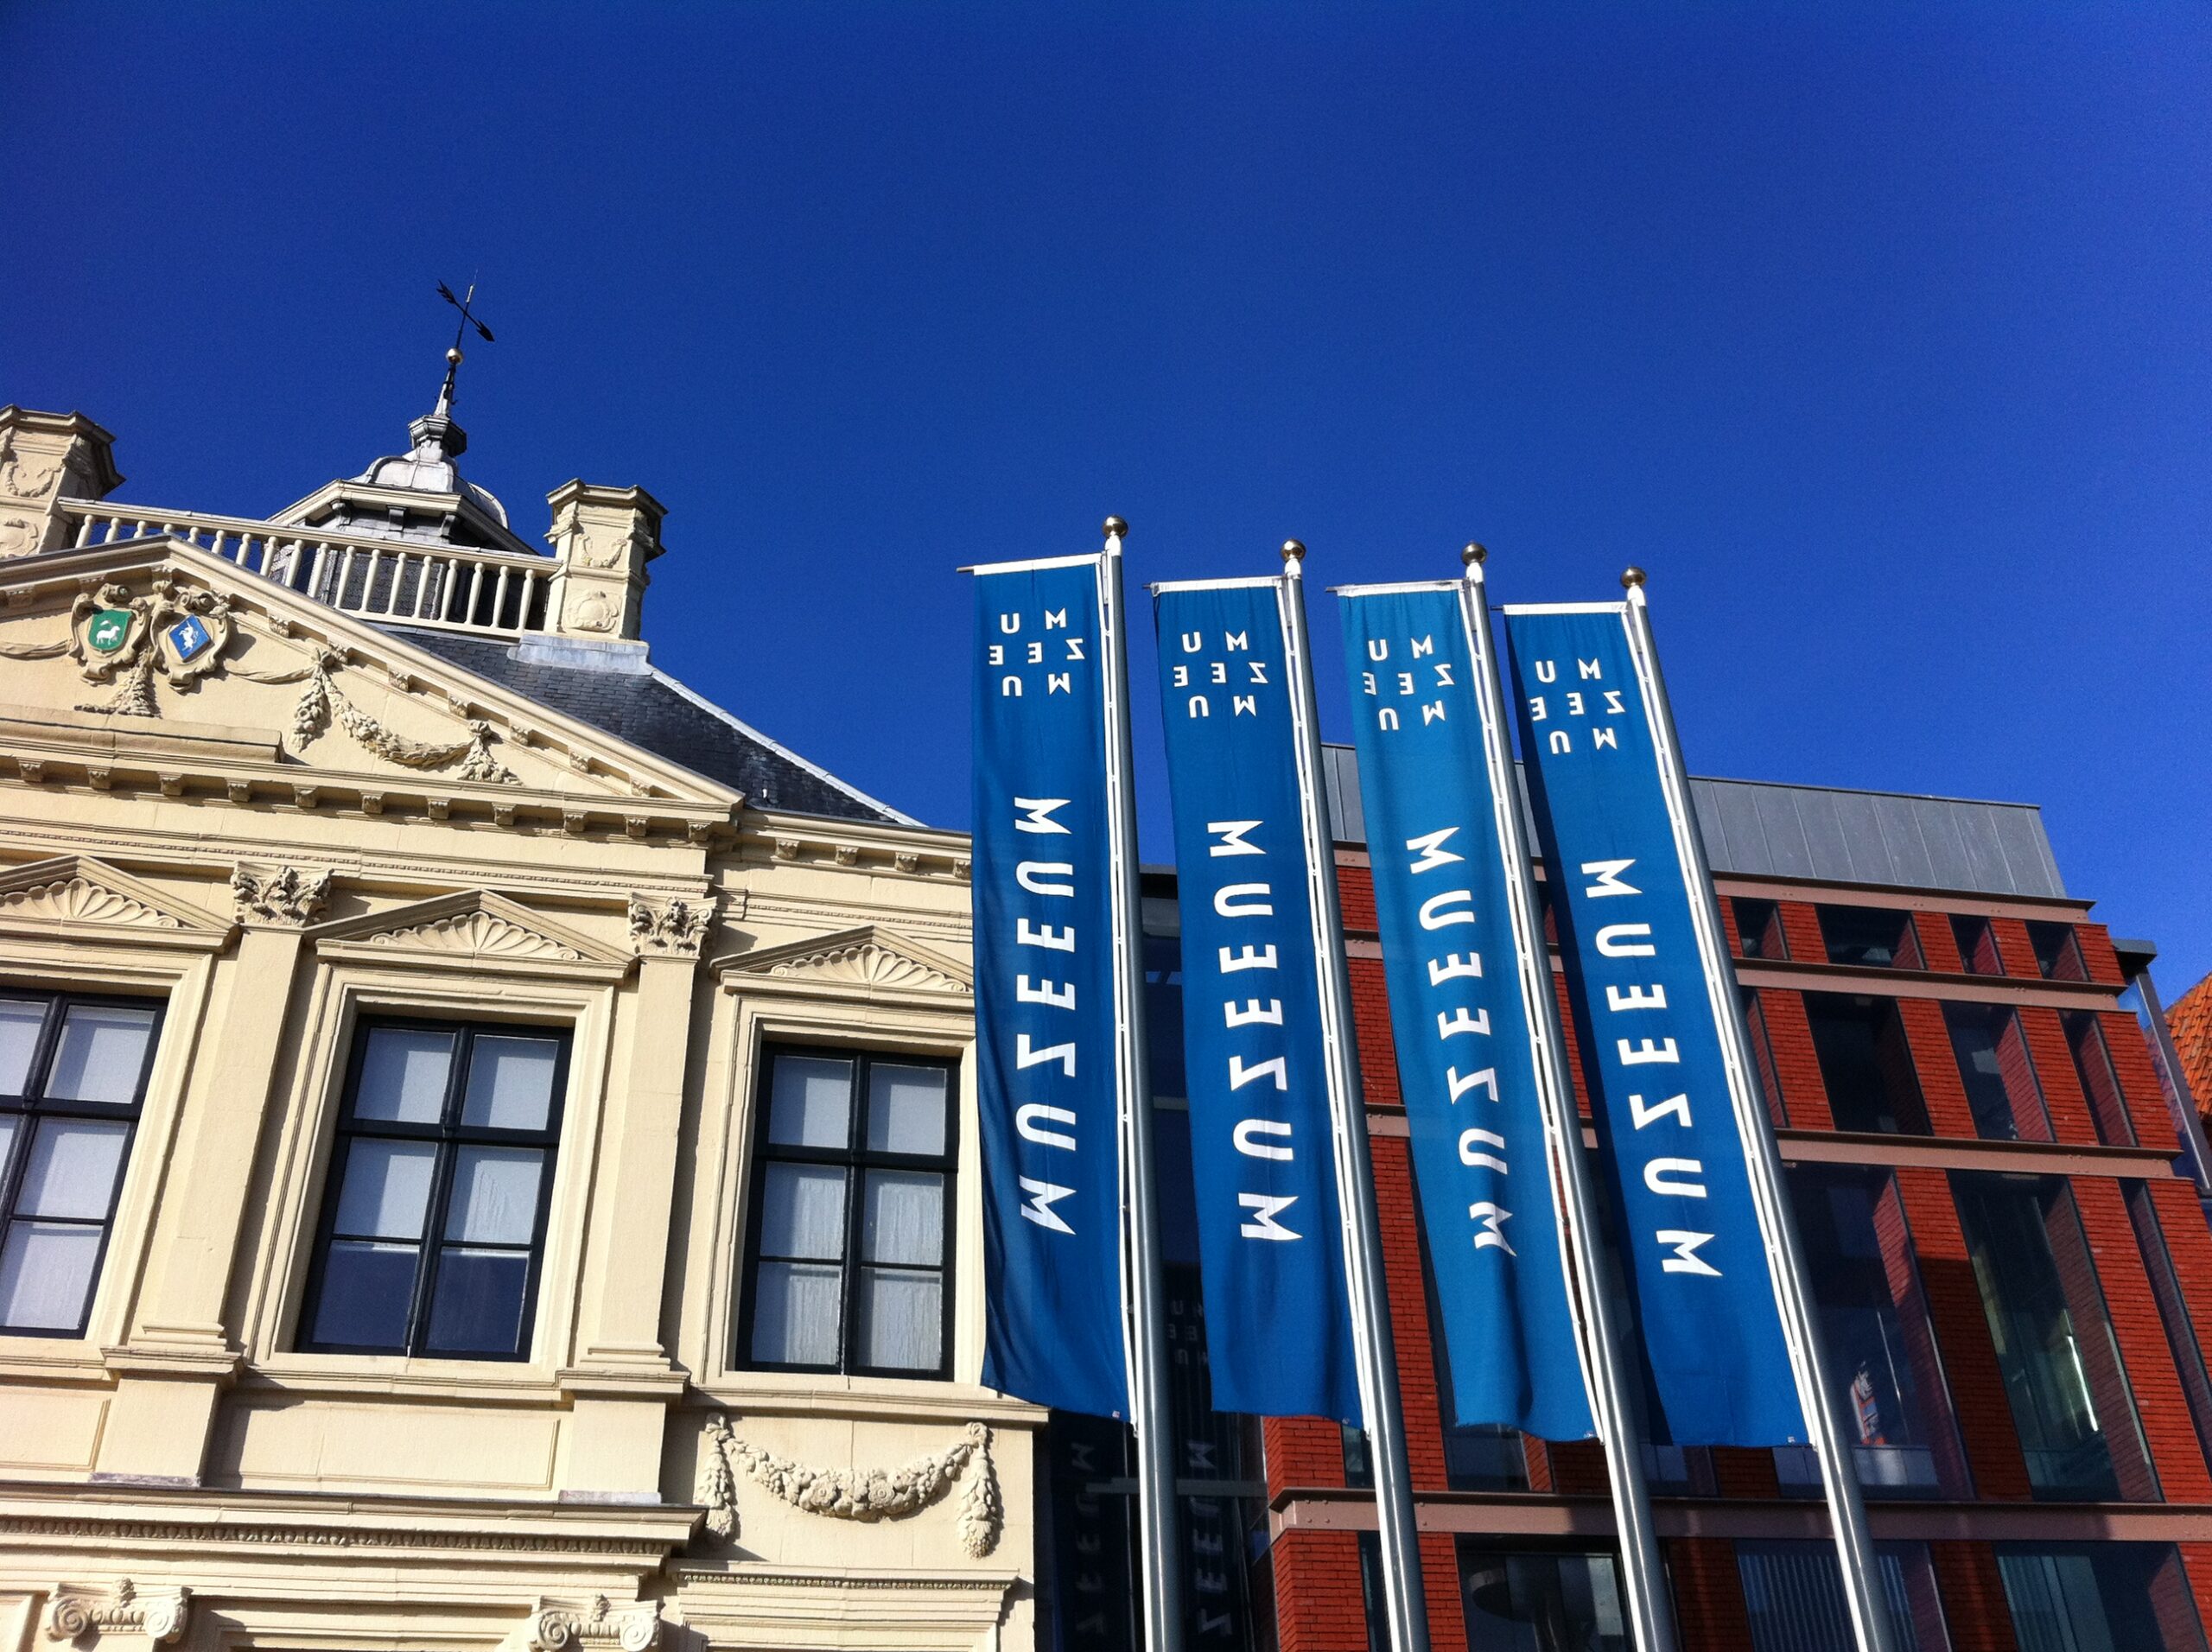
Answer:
[(1880, 338)]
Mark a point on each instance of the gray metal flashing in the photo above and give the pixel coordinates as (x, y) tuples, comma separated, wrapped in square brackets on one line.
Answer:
[(899, 815), (1766, 829)]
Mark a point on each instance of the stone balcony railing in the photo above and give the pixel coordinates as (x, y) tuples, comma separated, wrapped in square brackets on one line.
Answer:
[(492, 593)]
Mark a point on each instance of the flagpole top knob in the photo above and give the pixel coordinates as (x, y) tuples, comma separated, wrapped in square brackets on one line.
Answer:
[(1116, 528), (454, 355), (1632, 578), (1293, 551), (1474, 553)]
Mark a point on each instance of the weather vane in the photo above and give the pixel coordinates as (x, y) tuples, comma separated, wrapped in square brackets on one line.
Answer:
[(453, 356)]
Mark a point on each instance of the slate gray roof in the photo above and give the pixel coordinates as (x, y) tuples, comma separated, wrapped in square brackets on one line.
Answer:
[(1758, 828), (634, 702)]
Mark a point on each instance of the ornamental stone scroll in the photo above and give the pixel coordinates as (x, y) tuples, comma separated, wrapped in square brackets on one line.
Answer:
[(84, 1612), (855, 1494), (601, 1626)]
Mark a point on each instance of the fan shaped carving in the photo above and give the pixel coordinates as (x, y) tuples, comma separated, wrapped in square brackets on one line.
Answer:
[(869, 964), (477, 934), (78, 899)]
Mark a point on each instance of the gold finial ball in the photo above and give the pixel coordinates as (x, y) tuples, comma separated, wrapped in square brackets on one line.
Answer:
[(1475, 552), (1293, 551), (1116, 528), (454, 355), (1632, 579)]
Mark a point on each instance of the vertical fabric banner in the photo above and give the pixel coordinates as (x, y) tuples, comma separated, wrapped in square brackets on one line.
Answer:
[(1045, 1035), (1270, 1229), (1691, 1247), (1466, 1057)]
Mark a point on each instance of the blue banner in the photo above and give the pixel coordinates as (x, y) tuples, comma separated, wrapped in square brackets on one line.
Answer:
[(1044, 1043), (1467, 1064), (1689, 1233), (1270, 1238)]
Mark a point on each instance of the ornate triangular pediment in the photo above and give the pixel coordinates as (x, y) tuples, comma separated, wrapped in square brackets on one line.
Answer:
[(869, 958), (74, 896), (475, 929)]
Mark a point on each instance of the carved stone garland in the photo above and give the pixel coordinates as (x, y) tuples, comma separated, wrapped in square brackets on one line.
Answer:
[(322, 699), (853, 1494)]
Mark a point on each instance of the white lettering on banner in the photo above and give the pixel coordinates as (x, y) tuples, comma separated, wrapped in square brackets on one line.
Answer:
[(1025, 1122), (1487, 1077), (1248, 1128), (1039, 1207), (1240, 1075), (1666, 1176), (1026, 1056), (1492, 1217), (1433, 915), (1057, 619), (1432, 852), (1645, 1052), (1686, 1259), (1253, 1011), (1453, 967), (1451, 1023), (1609, 881), (1036, 876), (1618, 940), (1637, 997), (1472, 1142), (1677, 1106), (1246, 958), (1265, 1208), (1231, 834), (1591, 668), (1245, 900), (1044, 992), (1028, 934), (1037, 815)]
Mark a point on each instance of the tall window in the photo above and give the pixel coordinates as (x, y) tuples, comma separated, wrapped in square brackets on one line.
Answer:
[(1977, 944), (1866, 1064), (2182, 1339), (852, 1238), (1758, 928), (72, 1077), (435, 1230), (2058, 952), (1526, 1599), (2084, 1040), (1885, 1380), (2071, 1402), (1793, 1592), (2096, 1597), (1870, 937), (1999, 1079)]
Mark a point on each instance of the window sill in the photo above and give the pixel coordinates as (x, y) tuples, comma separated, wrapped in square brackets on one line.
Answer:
[(395, 1374), (876, 1398)]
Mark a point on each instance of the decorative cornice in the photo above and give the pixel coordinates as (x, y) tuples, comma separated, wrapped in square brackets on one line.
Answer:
[(287, 897), (77, 900), (557, 1628), (673, 931), (84, 1613), (335, 1534), (476, 928), (76, 895)]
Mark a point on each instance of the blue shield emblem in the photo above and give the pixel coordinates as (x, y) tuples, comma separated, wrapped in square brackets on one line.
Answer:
[(188, 637)]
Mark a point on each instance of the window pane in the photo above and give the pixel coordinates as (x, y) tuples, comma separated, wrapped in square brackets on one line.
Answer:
[(2000, 1083), (2099, 1598), (795, 1314), (1977, 944), (1869, 937), (902, 1319), (71, 1170), (100, 1054), (904, 1219), (403, 1075), (367, 1290), (476, 1305), (2085, 1039), (46, 1275), (1537, 1602), (10, 1127), (802, 1213), (1794, 1592), (510, 1083), (1866, 1063), (20, 1021), (809, 1102), (386, 1193), (905, 1109), (494, 1198)]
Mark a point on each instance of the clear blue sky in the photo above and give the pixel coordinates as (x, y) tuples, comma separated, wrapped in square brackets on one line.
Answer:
[(1880, 339)]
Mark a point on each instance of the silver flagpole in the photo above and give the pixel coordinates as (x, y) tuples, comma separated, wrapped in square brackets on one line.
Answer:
[(1862, 1582), (1374, 1348), (1605, 1366), (1142, 1305)]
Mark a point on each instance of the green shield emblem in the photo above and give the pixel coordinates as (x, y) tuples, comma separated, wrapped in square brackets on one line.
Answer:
[(109, 628)]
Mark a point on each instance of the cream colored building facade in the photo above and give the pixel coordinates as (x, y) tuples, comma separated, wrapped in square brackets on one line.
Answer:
[(283, 783)]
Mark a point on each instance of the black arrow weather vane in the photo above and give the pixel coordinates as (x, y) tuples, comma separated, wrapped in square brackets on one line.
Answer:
[(460, 330)]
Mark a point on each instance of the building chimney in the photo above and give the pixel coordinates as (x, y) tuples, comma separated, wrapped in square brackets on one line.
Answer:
[(602, 539), (44, 458)]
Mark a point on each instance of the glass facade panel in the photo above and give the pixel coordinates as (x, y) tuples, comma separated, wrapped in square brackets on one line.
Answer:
[(2099, 1598), (1870, 937), (1999, 1079), (1977, 944), (1866, 1064), (101, 1053), (2058, 953), (1793, 1592), (2085, 1042), (1540, 1600), (1758, 928), (2070, 1395)]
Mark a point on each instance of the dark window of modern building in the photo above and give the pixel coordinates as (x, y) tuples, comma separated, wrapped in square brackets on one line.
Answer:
[(1758, 928), (1762, 1057), (1866, 1064), (1870, 937), (2182, 1339), (2058, 953), (1486, 1457), (1359, 1468), (1528, 1599), (1793, 1592), (2099, 1598), (2085, 1039), (433, 1223), (851, 1241), (1999, 1079), (1374, 1603), (1977, 944), (73, 1079), (1884, 1376), (2072, 1406)]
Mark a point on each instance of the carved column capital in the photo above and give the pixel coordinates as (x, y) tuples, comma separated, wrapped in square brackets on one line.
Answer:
[(285, 897), (84, 1612), (674, 931), (595, 1626)]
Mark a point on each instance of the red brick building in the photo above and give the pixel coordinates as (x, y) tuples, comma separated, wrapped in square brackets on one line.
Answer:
[(2014, 1280)]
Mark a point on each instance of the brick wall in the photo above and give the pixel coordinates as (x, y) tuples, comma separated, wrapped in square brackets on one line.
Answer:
[(1939, 945), (1797, 1062), (1709, 1607), (2061, 1085), (1801, 932), (1320, 1606), (2097, 956), (2013, 947), (2138, 1080), (1937, 1066), (1974, 1608)]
